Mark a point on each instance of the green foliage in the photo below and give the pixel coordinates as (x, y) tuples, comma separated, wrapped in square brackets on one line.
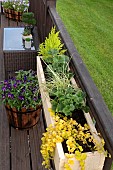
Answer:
[(28, 39), (64, 97), (16, 5), (7, 4), (51, 46), (28, 18), (60, 65), (66, 101), (26, 32)]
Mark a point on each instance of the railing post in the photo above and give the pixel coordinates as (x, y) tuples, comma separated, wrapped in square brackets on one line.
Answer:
[(49, 22), (40, 9)]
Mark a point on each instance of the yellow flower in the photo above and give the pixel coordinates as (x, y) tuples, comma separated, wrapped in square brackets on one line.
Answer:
[(70, 162), (67, 167)]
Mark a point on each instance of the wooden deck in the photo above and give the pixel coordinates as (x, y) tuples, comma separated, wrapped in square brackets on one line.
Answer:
[(19, 150)]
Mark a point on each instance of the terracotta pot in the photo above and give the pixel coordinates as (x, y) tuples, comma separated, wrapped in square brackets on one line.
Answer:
[(23, 119)]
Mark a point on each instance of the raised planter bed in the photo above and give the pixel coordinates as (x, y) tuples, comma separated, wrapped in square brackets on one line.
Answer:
[(94, 160)]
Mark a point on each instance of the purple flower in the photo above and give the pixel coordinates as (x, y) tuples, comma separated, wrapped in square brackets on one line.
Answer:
[(5, 82), (3, 88), (35, 99), (10, 96), (3, 96), (25, 78), (15, 85), (9, 86), (21, 97), (13, 78), (18, 81)]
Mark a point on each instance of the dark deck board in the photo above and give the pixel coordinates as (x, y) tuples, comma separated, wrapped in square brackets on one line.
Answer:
[(4, 141), (4, 127), (17, 152), (36, 134)]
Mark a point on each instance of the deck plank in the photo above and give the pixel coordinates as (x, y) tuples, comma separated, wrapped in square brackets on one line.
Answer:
[(4, 127), (20, 159), (4, 140), (35, 135)]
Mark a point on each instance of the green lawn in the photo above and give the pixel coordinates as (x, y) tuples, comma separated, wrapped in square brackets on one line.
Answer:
[(90, 25)]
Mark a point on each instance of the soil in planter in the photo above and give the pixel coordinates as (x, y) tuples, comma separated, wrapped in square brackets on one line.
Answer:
[(79, 117), (84, 146)]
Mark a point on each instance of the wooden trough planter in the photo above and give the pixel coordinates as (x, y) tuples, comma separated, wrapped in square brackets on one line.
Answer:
[(94, 160)]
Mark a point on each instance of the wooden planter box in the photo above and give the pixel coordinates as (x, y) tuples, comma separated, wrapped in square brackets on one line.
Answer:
[(94, 160)]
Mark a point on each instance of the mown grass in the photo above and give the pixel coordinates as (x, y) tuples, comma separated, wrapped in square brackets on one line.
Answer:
[(90, 25)]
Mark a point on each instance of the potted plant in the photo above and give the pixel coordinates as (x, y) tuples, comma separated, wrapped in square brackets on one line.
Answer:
[(20, 8), (21, 98), (26, 34), (62, 98), (8, 7), (51, 46), (14, 9), (28, 43), (69, 128), (29, 20)]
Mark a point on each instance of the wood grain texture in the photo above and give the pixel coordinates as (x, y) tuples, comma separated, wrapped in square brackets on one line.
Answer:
[(15, 150)]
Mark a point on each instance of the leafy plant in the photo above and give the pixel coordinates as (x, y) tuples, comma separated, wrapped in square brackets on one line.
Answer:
[(76, 138), (28, 18), (7, 4), (28, 39), (21, 6), (26, 32), (16, 5), (65, 98), (68, 100), (60, 64), (21, 91), (52, 46)]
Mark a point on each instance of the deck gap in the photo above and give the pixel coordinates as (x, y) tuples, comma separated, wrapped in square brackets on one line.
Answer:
[(10, 147), (29, 150)]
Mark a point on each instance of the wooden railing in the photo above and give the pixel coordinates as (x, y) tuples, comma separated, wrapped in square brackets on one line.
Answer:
[(47, 16), (40, 9)]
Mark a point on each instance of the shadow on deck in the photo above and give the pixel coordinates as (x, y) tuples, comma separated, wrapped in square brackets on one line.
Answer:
[(19, 150)]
